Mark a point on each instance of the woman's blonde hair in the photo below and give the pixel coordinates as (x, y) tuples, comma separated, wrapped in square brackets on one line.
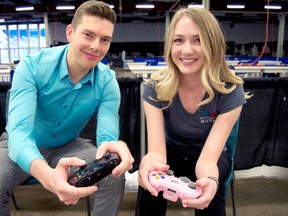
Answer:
[(216, 73)]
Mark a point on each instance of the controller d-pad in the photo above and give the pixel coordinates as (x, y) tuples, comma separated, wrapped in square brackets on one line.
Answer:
[(83, 167), (174, 182), (185, 179), (107, 157), (192, 185)]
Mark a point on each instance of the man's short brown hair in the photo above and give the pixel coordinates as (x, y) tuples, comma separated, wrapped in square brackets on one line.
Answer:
[(93, 8)]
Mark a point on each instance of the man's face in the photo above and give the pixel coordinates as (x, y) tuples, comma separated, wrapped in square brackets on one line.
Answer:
[(89, 42)]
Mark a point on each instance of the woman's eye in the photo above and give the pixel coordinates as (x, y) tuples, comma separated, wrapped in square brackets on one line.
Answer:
[(177, 40), (197, 41)]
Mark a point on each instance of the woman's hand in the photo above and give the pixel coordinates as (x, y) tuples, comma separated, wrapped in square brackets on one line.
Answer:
[(209, 189), (150, 162)]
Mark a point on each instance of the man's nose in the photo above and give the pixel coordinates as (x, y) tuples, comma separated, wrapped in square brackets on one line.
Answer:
[(95, 44)]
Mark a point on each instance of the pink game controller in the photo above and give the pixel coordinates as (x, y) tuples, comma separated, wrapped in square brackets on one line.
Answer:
[(172, 187)]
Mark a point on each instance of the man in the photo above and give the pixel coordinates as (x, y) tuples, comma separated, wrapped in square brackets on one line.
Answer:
[(54, 93)]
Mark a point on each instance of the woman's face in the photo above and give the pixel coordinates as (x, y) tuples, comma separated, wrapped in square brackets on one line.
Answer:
[(187, 52)]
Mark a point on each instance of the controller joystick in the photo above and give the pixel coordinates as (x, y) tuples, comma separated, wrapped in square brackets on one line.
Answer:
[(169, 172), (192, 185), (93, 172), (173, 187)]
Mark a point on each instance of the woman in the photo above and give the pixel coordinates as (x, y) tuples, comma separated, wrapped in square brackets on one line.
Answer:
[(54, 94), (191, 107)]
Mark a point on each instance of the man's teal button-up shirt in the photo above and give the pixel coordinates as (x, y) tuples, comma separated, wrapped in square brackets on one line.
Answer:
[(47, 110)]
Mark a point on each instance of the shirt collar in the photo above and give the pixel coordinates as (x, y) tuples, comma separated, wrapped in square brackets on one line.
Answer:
[(63, 65)]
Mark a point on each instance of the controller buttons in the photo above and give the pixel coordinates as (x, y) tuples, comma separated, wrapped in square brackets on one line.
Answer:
[(169, 172), (75, 178), (192, 185), (78, 175), (160, 175), (157, 178), (185, 179), (81, 173)]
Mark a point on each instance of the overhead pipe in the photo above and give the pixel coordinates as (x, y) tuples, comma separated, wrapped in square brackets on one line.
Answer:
[(120, 10)]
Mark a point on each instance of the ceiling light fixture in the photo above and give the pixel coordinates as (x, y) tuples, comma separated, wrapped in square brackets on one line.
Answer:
[(24, 8), (145, 6), (195, 6), (65, 7), (235, 6), (111, 6), (2, 20), (273, 7)]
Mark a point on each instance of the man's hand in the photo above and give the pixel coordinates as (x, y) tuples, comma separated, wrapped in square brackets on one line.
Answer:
[(55, 180), (122, 150)]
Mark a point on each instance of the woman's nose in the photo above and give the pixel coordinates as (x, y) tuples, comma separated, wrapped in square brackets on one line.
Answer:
[(188, 48)]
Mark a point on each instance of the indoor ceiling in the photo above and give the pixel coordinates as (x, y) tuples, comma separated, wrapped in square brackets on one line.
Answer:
[(126, 12)]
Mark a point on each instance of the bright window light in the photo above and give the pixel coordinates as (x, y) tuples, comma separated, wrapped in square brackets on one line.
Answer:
[(235, 6), (196, 6), (26, 8), (273, 7), (65, 7), (145, 6), (2, 20)]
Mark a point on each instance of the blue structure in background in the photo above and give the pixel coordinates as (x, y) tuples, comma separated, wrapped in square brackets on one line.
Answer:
[(150, 61)]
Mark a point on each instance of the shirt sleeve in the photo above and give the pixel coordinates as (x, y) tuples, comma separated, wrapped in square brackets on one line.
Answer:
[(108, 113), (228, 102), (150, 96), (21, 115)]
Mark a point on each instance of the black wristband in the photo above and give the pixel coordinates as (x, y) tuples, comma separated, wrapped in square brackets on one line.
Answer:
[(214, 179)]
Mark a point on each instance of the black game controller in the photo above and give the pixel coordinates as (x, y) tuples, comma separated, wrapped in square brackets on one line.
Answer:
[(93, 172)]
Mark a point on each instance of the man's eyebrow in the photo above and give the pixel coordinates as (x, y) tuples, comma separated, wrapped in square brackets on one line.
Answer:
[(92, 33), (108, 37), (87, 30)]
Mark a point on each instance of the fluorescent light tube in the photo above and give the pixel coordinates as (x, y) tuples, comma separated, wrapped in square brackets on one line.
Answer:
[(145, 6), (273, 7), (25, 8), (67, 7), (196, 6), (235, 6)]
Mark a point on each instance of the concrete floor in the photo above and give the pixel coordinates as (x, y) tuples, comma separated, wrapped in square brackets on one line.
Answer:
[(255, 196)]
